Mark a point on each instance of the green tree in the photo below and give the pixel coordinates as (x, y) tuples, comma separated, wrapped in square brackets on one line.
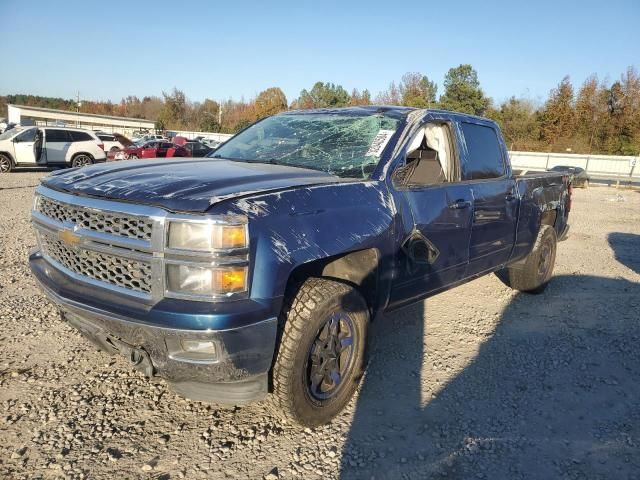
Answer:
[(518, 121), (269, 102), (558, 117), (462, 92), (591, 112), (416, 90), (323, 95), (207, 116), (174, 112)]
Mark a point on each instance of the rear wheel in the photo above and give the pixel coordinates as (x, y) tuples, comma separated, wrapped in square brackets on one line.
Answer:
[(81, 160), (585, 184), (321, 353), (133, 157), (6, 164), (534, 274)]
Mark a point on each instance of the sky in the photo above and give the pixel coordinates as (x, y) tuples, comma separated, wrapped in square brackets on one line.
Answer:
[(235, 49)]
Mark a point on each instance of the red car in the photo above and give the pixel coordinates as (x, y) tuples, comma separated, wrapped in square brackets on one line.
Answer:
[(152, 149)]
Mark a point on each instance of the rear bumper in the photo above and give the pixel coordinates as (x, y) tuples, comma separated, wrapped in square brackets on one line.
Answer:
[(237, 374)]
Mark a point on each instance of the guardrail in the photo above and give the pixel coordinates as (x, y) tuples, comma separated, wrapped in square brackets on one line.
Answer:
[(599, 167)]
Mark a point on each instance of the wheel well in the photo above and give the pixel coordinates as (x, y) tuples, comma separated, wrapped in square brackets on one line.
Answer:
[(359, 269), (80, 153), (549, 217), (9, 155)]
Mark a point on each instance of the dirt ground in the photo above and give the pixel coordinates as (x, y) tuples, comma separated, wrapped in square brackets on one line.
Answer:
[(478, 382)]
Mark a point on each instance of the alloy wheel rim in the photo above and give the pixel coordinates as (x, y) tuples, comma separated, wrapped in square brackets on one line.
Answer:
[(330, 357), (82, 161), (4, 165)]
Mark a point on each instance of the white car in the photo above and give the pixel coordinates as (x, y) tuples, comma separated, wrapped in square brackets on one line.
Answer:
[(49, 146), (149, 138)]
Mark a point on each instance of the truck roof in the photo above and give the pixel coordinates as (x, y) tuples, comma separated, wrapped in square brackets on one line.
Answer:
[(392, 111)]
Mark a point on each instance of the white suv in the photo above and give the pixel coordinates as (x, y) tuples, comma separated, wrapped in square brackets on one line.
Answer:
[(49, 146)]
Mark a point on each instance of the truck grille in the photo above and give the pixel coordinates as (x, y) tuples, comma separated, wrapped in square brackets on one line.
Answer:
[(118, 271), (105, 222)]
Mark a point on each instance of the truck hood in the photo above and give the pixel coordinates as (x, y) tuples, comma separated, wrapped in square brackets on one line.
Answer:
[(181, 185)]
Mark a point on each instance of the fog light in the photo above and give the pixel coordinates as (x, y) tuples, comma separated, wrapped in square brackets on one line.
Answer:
[(192, 350), (198, 346)]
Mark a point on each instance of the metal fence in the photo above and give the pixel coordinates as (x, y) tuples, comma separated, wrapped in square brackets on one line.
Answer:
[(599, 167)]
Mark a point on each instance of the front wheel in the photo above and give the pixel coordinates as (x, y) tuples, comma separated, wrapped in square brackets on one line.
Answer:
[(534, 274), (6, 164), (81, 160), (320, 358)]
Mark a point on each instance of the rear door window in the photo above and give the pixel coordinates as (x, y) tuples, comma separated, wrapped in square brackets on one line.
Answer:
[(80, 136), (53, 135), (484, 155)]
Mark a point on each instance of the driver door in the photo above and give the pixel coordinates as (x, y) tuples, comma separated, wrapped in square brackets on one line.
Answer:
[(25, 147), (149, 150), (435, 247)]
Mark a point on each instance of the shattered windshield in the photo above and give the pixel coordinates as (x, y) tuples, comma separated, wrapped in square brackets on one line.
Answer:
[(340, 144)]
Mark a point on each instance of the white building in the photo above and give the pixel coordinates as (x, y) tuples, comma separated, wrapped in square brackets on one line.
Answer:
[(24, 115)]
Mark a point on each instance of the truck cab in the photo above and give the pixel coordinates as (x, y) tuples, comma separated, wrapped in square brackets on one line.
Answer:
[(258, 270)]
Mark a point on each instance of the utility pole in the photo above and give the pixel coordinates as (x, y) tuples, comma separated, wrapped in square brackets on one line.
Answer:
[(78, 105), (220, 115)]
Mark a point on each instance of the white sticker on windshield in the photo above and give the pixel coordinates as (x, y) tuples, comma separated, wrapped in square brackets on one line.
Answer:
[(379, 142)]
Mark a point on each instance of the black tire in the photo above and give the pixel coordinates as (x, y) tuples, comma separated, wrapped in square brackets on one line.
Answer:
[(81, 160), (534, 274), (6, 163), (133, 157), (310, 311)]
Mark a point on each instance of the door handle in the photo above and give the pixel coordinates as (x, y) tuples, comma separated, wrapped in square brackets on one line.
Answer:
[(460, 204), (510, 196)]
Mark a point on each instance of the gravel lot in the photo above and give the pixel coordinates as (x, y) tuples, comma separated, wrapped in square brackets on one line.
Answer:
[(478, 382)]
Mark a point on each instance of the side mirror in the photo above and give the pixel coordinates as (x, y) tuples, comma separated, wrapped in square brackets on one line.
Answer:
[(402, 175)]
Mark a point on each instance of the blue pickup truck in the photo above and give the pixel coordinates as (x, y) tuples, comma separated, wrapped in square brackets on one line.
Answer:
[(257, 270)]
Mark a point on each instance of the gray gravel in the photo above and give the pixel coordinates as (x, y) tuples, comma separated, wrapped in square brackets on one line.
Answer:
[(478, 382)]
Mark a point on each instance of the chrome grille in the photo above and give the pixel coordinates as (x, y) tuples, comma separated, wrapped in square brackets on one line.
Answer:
[(118, 271), (99, 221)]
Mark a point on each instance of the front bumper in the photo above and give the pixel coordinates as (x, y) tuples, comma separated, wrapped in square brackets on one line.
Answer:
[(237, 375)]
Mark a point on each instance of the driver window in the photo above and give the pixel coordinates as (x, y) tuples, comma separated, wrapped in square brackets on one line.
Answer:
[(429, 157), (27, 136)]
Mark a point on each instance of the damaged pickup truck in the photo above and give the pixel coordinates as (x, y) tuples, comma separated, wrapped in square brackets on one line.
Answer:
[(259, 269)]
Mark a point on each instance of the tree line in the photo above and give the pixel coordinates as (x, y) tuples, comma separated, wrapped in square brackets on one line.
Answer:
[(599, 117)]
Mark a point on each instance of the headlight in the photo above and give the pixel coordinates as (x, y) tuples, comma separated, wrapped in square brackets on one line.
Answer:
[(206, 281), (206, 236)]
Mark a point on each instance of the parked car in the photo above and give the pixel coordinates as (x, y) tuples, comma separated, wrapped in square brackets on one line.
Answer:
[(260, 269), (211, 143), (180, 140), (579, 177), (198, 149), (153, 149), (149, 137), (113, 141), (49, 146)]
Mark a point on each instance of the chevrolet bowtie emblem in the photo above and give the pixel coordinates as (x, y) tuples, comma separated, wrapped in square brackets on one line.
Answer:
[(69, 238)]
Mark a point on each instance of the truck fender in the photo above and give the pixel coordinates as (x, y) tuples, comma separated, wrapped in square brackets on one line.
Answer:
[(342, 230)]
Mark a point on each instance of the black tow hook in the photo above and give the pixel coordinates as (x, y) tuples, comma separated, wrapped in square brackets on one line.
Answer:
[(139, 358)]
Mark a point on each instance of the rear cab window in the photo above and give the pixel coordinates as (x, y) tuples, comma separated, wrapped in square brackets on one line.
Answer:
[(484, 157)]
